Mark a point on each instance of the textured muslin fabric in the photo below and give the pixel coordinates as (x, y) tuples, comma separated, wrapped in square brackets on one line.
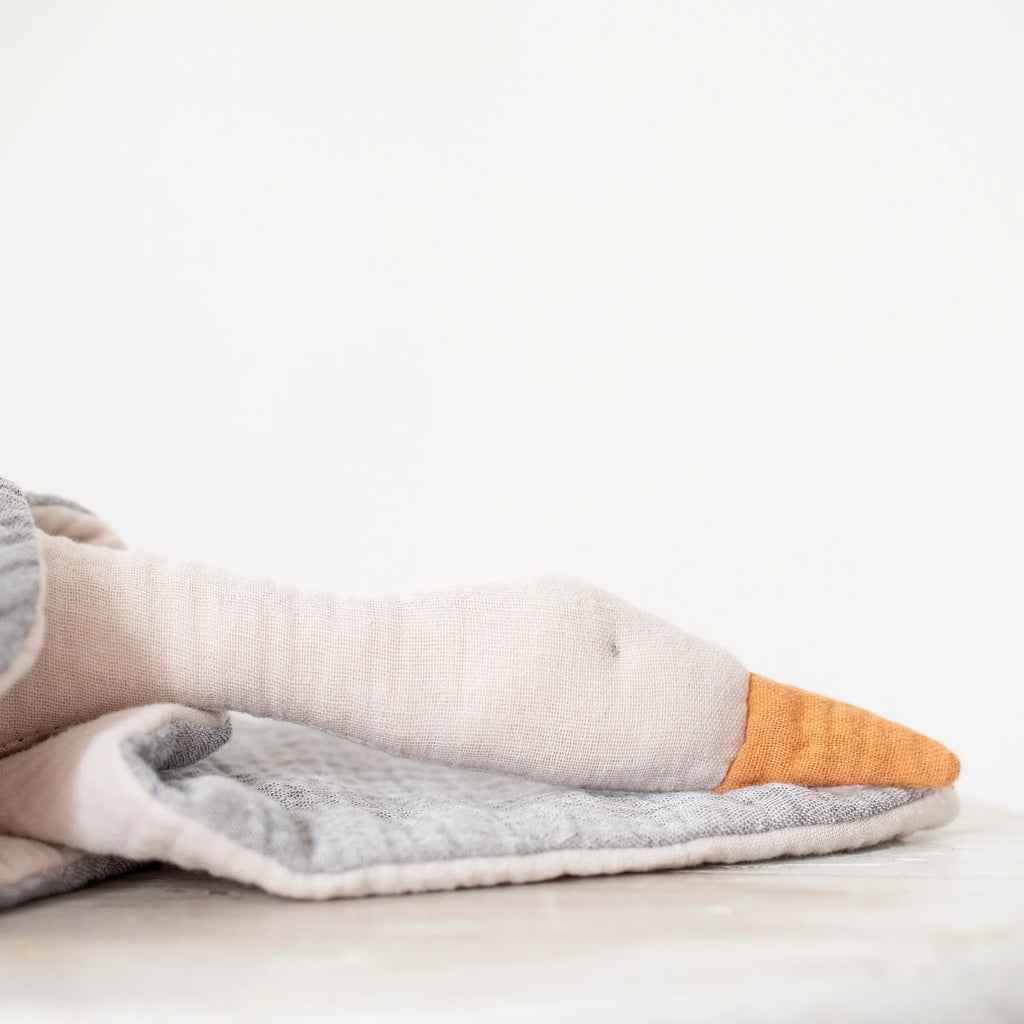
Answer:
[(802, 737), (507, 732), (544, 677), (30, 870), (62, 518), (305, 814), (21, 587)]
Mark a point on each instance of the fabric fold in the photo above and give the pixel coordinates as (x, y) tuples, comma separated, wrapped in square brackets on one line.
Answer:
[(304, 814)]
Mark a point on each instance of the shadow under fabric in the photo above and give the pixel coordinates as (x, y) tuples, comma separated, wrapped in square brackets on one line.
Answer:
[(456, 736)]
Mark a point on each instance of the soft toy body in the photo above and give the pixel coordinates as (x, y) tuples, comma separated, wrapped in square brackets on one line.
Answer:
[(547, 684)]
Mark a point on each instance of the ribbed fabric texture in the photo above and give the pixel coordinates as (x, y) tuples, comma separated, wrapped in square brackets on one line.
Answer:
[(545, 677), (801, 737)]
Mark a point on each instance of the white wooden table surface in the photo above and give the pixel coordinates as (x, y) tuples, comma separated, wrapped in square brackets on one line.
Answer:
[(927, 929)]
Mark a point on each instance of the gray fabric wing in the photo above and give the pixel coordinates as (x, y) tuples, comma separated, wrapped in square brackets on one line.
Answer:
[(20, 577), (319, 804)]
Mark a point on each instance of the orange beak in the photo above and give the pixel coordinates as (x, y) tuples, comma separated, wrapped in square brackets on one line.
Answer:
[(800, 737)]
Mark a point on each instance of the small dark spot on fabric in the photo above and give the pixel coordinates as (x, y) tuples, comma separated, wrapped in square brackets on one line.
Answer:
[(615, 650)]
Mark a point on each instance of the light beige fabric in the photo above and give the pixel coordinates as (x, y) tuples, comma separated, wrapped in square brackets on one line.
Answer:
[(22, 858), (65, 521), (26, 654), (546, 677)]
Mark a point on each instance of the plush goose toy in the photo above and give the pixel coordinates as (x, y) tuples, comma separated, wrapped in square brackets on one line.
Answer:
[(545, 689)]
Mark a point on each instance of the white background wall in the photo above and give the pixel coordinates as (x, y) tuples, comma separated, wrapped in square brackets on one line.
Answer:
[(718, 306)]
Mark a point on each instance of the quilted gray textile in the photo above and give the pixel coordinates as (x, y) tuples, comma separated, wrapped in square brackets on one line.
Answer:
[(19, 572), (319, 804)]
